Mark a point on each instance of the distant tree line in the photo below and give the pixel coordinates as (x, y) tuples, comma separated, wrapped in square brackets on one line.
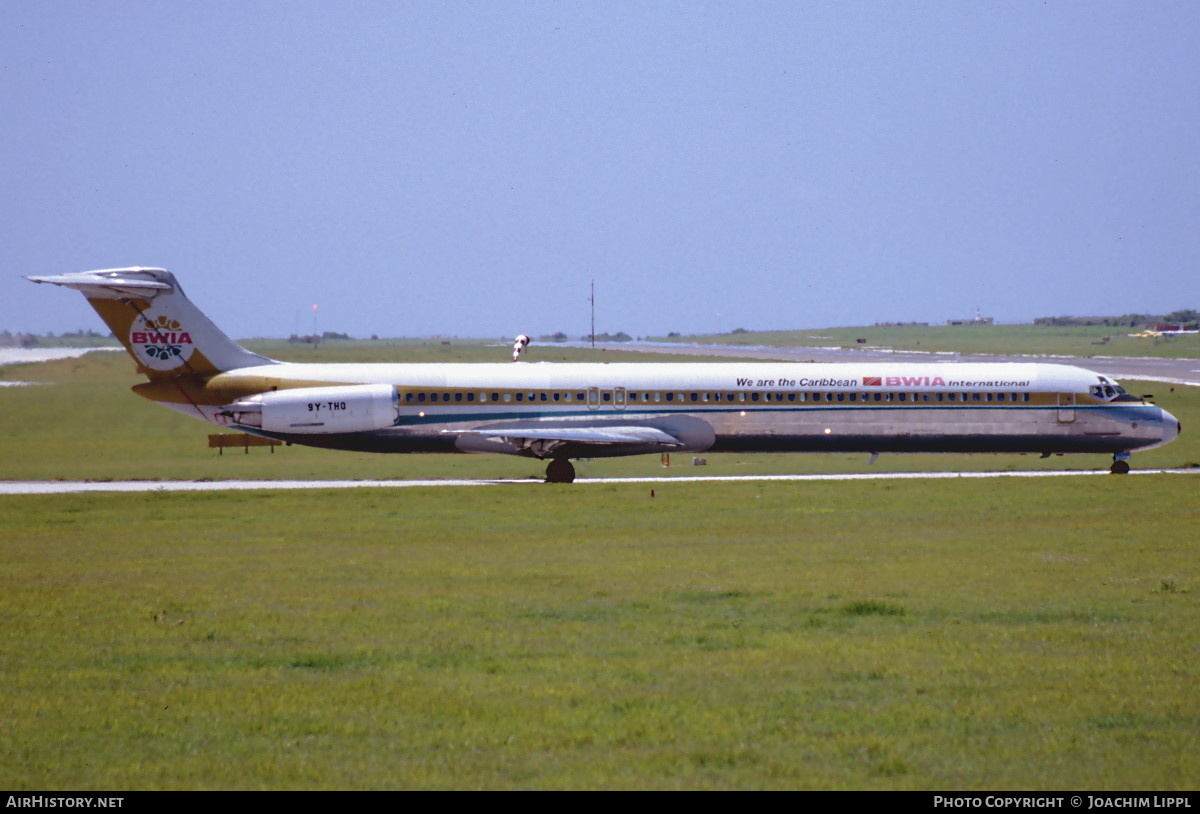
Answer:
[(1186, 316), (315, 339), (559, 336)]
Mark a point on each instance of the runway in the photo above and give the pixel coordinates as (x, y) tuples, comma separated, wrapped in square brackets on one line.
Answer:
[(80, 487)]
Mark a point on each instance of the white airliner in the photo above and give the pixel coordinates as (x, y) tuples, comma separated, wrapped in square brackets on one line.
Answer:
[(587, 410)]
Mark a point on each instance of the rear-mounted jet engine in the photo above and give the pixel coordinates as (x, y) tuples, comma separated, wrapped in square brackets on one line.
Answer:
[(318, 410)]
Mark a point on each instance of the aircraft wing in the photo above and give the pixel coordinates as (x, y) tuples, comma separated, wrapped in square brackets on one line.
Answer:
[(590, 437), (608, 434)]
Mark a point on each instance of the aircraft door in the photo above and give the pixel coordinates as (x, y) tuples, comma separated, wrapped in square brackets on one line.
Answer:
[(619, 398), (593, 398), (1066, 408)]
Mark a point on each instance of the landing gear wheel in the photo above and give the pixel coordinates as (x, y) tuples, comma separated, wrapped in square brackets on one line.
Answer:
[(560, 470), (1119, 467)]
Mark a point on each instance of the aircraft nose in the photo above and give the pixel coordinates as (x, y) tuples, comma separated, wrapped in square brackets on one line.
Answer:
[(1171, 427)]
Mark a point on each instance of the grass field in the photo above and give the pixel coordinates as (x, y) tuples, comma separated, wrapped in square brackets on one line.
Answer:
[(886, 635), (1007, 634)]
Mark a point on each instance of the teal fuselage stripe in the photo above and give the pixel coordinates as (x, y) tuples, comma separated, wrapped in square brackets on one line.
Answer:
[(435, 415)]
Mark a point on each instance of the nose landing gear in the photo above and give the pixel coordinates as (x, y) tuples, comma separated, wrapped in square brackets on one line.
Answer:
[(1120, 464)]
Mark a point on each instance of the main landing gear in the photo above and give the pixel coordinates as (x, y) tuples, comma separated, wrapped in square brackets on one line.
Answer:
[(560, 470), (1120, 464)]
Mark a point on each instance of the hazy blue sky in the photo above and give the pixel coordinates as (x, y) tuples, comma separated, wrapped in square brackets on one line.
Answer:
[(466, 168)]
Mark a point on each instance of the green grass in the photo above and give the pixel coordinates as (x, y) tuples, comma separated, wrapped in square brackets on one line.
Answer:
[(1032, 339), (877, 635)]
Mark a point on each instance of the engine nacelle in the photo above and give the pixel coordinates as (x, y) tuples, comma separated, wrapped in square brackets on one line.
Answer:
[(318, 410)]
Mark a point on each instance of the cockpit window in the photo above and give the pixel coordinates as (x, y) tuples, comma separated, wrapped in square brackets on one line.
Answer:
[(1106, 391)]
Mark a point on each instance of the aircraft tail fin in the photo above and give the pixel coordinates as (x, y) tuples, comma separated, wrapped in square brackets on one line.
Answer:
[(162, 330)]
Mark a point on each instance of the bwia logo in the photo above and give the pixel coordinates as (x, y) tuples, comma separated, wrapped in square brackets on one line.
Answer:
[(161, 342), (903, 381)]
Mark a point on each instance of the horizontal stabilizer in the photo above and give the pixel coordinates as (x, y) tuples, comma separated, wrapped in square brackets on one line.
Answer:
[(111, 283)]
